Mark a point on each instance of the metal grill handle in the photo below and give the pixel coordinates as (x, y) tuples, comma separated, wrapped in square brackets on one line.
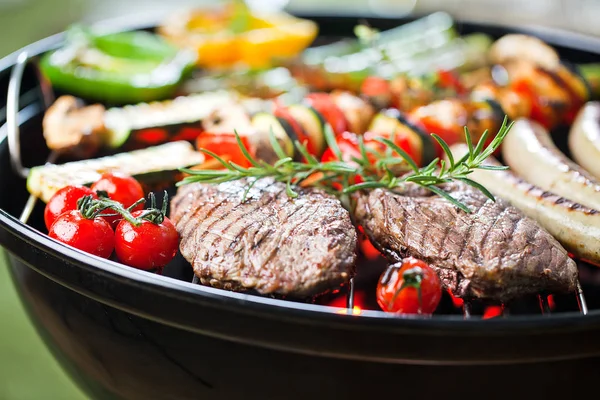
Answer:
[(12, 110)]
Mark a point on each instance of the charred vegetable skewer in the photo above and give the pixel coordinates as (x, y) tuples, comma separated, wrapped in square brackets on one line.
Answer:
[(420, 47), (69, 126), (118, 68), (72, 127)]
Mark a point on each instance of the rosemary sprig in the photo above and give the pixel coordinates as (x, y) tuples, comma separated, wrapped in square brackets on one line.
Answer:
[(285, 169), (338, 177)]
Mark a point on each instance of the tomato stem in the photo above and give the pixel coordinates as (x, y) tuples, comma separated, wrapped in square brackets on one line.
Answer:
[(411, 278), (91, 208)]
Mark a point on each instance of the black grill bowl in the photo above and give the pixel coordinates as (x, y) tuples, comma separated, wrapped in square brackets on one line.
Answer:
[(127, 334)]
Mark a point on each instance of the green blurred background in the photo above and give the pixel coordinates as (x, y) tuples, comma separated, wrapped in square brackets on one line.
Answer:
[(27, 369)]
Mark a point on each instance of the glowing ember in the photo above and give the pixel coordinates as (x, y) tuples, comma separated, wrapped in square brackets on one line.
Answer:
[(355, 311), (551, 303), (457, 301), (492, 312)]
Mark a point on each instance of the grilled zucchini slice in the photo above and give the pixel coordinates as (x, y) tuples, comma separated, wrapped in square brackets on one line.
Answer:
[(264, 123), (312, 123), (140, 125), (391, 121), (149, 165)]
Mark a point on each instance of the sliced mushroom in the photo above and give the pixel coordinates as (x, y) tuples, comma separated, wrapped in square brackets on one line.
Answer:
[(226, 119), (357, 111), (70, 127), (521, 47)]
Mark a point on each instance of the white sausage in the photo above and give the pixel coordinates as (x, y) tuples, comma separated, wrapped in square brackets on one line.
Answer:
[(575, 226), (530, 153), (584, 138)]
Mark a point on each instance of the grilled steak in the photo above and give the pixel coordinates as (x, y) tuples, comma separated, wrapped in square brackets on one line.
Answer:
[(494, 252), (271, 243)]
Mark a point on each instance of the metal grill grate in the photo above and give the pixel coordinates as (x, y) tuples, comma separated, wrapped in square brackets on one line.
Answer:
[(12, 124)]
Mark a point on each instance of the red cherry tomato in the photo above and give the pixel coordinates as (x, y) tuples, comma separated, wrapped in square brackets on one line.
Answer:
[(121, 188), (523, 88), (224, 145), (450, 79), (348, 145), (374, 86), (325, 106), (94, 236), (446, 118), (64, 200), (146, 246), (402, 139), (378, 91), (398, 288)]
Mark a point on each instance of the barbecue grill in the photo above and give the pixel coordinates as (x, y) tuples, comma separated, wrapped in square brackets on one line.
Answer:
[(124, 333)]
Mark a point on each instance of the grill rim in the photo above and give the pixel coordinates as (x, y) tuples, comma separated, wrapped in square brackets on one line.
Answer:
[(266, 306)]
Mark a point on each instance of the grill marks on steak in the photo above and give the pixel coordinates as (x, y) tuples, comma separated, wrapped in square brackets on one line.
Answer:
[(494, 252), (270, 243)]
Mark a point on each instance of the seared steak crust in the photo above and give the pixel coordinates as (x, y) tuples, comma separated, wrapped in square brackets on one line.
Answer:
[(270, 243), (494, 252)]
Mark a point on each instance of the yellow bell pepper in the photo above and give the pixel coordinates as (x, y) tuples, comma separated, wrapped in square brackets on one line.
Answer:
[(233, 35)]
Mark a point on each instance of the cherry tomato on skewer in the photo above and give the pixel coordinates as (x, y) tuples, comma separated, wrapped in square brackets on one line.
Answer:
[(224, 145), (85, 230), (147, 239), (450, 79), (409, 287), (348, 144), (377, 90), (120, 188), (64, 200), (446, 118)]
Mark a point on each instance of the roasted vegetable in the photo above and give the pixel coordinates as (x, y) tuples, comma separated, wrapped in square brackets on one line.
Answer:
[(117, 68), (265, 123), (233, 34), (71, 127), (147, 124), (150, 165), (421, 44), (410, 137)]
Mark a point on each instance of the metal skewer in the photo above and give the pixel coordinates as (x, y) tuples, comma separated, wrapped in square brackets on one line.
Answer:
[(350, 296), (466, 309), (581, 299)]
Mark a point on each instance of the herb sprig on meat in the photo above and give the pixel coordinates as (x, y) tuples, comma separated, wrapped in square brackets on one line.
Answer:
[(374, 169)]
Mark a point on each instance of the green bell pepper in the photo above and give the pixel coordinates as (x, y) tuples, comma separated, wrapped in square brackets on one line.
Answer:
[(117, 68)]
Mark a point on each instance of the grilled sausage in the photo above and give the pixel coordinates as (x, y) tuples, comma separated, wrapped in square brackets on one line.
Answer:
[(584, 138), (575, 226), (529, 151)]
